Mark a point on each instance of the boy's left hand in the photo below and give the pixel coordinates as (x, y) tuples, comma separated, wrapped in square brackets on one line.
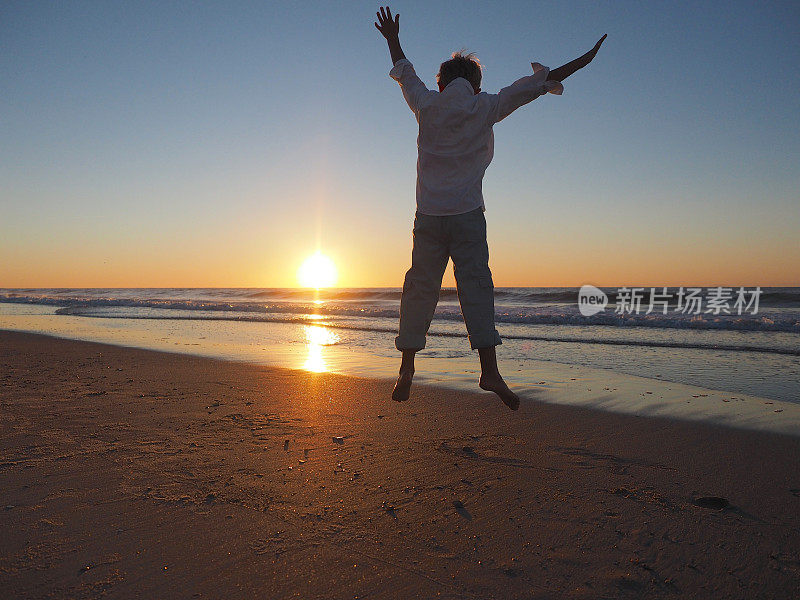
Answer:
[(390, 29)]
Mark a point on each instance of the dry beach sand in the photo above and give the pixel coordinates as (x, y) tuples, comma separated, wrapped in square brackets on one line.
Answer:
[(128, 473)]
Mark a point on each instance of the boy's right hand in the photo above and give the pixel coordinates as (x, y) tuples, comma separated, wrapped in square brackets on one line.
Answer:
[(564, 71), (593, 52), (390, 29)]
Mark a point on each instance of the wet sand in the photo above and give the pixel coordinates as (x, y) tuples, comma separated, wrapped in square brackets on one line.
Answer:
[(134, 473)]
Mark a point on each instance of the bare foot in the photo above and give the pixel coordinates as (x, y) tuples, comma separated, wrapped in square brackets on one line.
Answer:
[(402, 389), (496, 384)]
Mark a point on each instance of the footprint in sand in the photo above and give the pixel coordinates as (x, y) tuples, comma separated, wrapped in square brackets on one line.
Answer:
[(461, 510), (712, 502)]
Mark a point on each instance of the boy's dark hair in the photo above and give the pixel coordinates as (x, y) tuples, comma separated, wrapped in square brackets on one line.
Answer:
[(460, 65)]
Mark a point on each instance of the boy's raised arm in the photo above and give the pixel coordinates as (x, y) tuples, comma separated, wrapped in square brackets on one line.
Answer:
[(528, 88), (564, 71), (414, 90), (390, 29)]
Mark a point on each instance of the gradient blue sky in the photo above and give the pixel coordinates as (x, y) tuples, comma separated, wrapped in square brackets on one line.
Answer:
[(218, 144)]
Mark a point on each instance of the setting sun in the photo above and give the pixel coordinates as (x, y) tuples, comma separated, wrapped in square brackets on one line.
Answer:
[(317, 271)]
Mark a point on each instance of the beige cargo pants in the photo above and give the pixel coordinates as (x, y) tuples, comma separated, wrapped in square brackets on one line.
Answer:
[(436, 240)]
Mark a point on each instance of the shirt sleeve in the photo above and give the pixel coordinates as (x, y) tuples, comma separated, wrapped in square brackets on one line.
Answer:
[(525, 90), (414, 91)]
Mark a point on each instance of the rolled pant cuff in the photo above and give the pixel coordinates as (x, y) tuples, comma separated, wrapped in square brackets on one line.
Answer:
[(485, 341), (409, 342)]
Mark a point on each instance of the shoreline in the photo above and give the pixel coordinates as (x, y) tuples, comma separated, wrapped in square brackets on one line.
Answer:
[(306, 349), (134, 472)]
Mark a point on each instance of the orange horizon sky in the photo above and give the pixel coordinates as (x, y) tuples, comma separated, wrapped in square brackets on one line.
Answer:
[(146, 268)]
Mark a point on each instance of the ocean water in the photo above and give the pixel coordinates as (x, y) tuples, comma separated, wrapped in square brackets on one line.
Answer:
[(352, 331)]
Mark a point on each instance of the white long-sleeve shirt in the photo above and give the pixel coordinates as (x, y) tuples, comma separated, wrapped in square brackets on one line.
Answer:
[(456, 142)]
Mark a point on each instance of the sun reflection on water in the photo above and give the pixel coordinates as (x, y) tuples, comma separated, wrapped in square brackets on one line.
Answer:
[(318, 336)]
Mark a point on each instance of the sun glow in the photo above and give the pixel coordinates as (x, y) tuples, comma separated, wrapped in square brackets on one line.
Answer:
[(317, 271), (318, 336)]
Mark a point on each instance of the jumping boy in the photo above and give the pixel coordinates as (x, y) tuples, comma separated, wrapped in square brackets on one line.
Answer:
[(456, 145)]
